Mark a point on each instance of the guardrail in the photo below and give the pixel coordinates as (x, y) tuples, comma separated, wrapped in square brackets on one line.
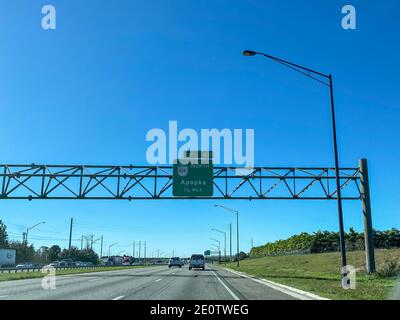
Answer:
[(38, 269)]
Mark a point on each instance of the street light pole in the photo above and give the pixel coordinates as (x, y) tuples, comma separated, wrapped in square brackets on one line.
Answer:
[(237, 229), (314, 75), (101, 247), (219, 249), (30, 228), (230, 241), (109, 248), (224, 233)]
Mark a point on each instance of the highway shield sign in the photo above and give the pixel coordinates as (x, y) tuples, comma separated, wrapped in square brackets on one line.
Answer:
[(192, 178)]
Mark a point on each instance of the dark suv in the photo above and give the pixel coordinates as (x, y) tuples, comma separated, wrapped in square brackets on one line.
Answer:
[(197, 261)]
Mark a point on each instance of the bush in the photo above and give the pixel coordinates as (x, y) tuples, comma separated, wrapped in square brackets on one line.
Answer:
[(390, 268)]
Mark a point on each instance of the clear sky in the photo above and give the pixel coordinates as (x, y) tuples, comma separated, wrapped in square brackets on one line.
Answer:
[(88, 92)]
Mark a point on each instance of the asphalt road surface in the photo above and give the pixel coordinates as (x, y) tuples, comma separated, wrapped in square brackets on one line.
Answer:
[(150, 283)]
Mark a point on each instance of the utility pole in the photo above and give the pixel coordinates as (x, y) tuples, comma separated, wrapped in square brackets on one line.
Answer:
[(145, 248), (133, 250), (81, 242), (70, 234), (101, 247), (140, 247)]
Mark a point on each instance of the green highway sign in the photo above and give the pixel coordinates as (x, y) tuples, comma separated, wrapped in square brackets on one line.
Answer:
[(192, 178), (207, 253)]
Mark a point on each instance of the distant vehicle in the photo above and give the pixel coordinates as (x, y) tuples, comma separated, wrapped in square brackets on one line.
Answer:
[(7, 258), (175, 262), (25, 265), (67, 263), (126, 261), (112, 261), (82, 264), (197, 262), (54, 264)]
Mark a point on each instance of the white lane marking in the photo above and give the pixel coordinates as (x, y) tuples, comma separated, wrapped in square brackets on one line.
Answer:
[(294, 292), (3, 296), (158, 280), (118, 298), (234, 296), (94, 279)]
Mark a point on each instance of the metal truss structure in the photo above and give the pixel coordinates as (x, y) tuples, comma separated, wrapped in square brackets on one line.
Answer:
[(94, 182)]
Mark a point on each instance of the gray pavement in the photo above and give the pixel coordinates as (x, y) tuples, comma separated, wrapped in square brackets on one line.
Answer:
[(150, 283)]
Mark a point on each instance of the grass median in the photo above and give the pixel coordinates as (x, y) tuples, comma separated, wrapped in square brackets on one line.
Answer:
[(320, 273), (38, 274)]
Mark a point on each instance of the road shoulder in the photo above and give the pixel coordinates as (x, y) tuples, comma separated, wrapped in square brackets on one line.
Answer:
[(293, 292)]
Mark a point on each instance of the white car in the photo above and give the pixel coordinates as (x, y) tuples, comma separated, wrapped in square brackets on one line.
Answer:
[(25, 265)]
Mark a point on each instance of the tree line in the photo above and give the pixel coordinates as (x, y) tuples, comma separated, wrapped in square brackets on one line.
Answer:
[(27, 253), (326, 241)]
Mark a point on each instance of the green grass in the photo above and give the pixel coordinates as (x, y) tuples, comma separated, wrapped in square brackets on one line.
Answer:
[(320, 273), (36, 274)]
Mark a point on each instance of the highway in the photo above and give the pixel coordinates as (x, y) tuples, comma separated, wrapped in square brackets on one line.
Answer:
[(149, 283)]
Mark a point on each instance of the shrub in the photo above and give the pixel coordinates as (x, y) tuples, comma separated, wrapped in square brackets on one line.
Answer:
[(390, 268)]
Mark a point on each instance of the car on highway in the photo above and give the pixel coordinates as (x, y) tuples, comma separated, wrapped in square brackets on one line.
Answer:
[(54, 264), (197, 261), (175, 262), (67, 263), (25, 265)]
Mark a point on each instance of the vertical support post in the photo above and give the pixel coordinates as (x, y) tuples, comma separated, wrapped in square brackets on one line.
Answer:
[(338, 189), (230, 242), (101, 247), (367, 217), (225, 247), (70, 234), (237, 238)]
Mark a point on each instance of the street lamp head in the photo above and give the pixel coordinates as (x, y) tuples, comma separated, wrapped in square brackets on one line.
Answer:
[(249, 53)]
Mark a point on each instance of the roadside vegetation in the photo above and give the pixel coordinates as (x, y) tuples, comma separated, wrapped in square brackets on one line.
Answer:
[(326, 241), (320, 273)]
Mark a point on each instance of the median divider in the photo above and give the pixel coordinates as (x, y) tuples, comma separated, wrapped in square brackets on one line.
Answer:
[(39, 269)]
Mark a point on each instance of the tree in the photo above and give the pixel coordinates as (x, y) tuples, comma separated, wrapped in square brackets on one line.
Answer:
[(242, 256), (54, 253), (352, 237), (3, 235), (24, 252), (86, 255), (43, 255)]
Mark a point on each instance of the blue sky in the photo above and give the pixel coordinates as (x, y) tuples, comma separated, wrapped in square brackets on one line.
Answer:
[(88, 92)]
